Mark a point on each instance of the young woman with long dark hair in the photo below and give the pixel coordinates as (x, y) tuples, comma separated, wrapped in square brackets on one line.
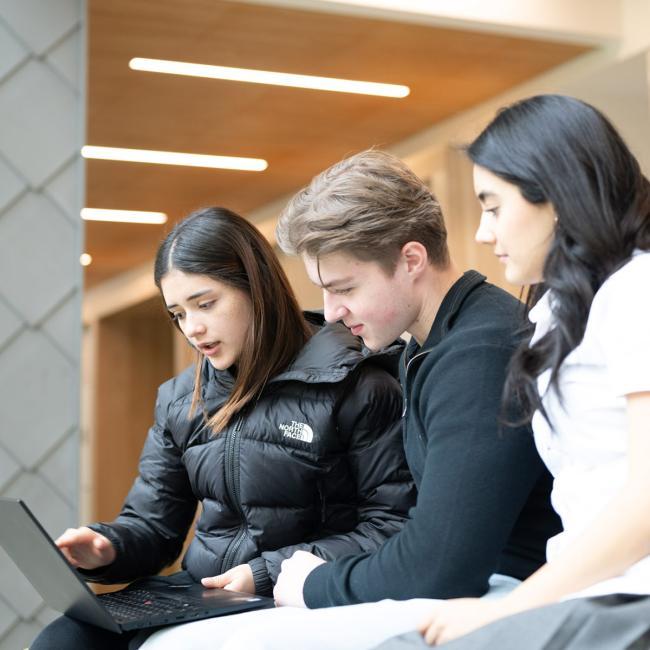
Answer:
[(286, 432), (567, 210)]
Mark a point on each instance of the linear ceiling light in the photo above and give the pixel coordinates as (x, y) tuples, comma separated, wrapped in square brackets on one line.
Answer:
[(272, 78), (174, 158), (123, 216)]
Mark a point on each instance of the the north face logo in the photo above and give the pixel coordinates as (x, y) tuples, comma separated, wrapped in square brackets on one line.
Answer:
[(298, 431)]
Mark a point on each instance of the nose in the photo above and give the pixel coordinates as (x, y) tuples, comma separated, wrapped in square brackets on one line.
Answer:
[(333, 307), (193, 325), (485, 231)]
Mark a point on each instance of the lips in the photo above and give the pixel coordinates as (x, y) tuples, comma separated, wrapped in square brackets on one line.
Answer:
[(356, 329), (208, 348)]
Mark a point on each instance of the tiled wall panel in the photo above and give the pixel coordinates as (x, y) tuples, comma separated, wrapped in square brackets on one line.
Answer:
[(42, 63)]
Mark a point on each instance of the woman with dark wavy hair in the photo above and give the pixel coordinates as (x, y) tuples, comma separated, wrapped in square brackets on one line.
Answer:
[(286, 431), (567, 210)]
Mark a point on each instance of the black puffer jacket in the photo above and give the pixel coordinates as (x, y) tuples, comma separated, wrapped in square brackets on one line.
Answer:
[(317, 463)]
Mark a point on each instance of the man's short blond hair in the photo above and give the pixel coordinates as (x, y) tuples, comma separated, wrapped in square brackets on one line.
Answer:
[(368, 206)]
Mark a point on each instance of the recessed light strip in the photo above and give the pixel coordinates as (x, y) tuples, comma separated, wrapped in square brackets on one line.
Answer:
[(271, 78), (123, 216), (174, 158)]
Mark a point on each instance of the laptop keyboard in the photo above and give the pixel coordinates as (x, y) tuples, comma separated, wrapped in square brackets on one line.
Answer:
[(136, 604)]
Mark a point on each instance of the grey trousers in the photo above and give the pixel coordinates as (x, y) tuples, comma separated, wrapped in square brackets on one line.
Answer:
[(616, 622)]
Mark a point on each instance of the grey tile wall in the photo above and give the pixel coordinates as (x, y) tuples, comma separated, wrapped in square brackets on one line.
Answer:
[(42, 98)]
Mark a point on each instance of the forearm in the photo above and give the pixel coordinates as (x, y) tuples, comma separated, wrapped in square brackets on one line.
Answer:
[(448, 549), (613, 542), (368, 535), (415, 563), (139, 552), (616, 539), (147, 535)]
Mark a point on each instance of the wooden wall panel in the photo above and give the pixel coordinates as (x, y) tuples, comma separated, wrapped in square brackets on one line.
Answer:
[(133, 356)]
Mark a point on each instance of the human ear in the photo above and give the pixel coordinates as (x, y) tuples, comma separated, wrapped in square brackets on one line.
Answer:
[(415, 257)]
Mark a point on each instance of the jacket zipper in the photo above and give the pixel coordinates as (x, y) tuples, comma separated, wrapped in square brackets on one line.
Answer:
[(232, 487), (405, 388)]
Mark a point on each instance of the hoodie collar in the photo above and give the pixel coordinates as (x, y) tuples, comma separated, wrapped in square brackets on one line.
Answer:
[(447, 311)]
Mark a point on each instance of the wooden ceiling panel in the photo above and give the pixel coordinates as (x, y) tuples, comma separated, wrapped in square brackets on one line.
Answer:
[(299, 132)]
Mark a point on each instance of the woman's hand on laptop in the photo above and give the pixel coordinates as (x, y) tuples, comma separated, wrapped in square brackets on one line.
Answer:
[(239, 578), (86, 549)]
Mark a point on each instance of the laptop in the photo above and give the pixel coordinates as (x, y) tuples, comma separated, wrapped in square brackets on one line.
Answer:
[(157, 604)]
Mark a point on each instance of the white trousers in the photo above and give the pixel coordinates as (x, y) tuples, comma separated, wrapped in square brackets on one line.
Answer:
[(352, 627)]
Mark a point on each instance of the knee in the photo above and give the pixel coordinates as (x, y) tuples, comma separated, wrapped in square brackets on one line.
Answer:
[(57, 634), (65, 632)]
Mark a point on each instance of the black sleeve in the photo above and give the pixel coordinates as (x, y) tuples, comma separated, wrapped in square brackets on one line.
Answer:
[(476, 480), (381, 488), (149, 532)]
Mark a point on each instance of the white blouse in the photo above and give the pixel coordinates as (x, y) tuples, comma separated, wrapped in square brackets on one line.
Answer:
[(586, 448)]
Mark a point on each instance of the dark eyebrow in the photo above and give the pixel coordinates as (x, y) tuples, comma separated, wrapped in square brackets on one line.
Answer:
[(194, 296), (485, 195)]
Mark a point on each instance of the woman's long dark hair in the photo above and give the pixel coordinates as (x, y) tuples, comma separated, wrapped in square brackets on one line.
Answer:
[(561, 150), (224, 246)]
